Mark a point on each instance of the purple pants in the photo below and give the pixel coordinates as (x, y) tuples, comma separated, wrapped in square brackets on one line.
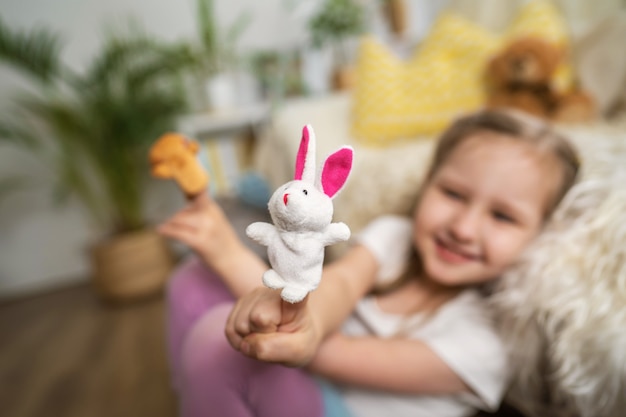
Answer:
[(211, 377)]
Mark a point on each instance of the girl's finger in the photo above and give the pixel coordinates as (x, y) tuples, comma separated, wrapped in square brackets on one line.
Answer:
[(291, 313), (285, 348), (202, 200), (185, 219), (258, 312), (238, 321), (231, 334), (237, 325), (242, 325), (173, 226), (264, 318), (181, 233)]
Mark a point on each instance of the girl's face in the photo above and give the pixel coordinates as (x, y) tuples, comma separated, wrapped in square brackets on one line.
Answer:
[(481, 208)]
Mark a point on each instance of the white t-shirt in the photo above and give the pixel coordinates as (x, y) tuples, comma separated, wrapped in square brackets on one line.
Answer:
[(460, 332)]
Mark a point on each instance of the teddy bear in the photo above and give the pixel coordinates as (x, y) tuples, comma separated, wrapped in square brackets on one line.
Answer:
[(524, 75), (174, 156)]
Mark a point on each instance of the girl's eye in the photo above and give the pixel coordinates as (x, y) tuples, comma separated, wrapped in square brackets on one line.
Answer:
[(305, 192), (452, 194), (503, 217)]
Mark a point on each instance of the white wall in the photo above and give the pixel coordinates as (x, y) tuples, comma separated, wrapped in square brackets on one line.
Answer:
[(42, 245)]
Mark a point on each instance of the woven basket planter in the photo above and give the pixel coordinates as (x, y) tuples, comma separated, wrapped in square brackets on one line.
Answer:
[(131, 266)]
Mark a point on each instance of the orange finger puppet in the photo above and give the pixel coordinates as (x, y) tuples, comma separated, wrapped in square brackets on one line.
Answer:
[(173, 156)]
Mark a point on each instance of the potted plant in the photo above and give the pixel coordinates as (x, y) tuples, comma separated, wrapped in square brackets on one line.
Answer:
[(333, 25), (94, 129), (217, 52)]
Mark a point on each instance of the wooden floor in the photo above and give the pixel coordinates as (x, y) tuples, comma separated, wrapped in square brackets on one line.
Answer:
[(67, 354)]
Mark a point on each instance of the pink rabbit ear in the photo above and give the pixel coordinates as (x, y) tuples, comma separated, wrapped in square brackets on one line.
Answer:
[(336, 170), (305, 159)]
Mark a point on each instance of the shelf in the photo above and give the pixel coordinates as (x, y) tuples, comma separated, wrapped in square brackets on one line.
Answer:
[(211, 123)]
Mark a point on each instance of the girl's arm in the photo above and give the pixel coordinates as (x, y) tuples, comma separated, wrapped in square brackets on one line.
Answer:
[(344, 283), (398, 365), (203, 226), (264, 327)]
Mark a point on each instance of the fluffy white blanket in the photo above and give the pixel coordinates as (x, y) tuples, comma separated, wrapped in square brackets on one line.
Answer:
[(562, 310)]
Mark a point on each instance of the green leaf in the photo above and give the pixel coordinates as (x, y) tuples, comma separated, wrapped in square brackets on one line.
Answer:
[(337, 20), (36, 52), (207, 30), (16, 133), (218, 46)]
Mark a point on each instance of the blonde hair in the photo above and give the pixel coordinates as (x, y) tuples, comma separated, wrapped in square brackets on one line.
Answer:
[(512, 124)]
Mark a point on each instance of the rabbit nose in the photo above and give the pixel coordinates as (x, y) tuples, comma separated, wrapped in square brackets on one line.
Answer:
[(285, 198)]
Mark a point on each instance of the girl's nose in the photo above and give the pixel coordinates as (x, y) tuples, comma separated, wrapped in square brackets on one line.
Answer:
[(466, 225)]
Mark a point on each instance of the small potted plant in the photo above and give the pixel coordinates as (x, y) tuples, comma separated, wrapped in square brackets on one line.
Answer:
[(334, 24), (94, 129), (217, 53)]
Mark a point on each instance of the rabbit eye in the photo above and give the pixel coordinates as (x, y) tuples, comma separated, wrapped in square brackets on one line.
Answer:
[(305, 192)]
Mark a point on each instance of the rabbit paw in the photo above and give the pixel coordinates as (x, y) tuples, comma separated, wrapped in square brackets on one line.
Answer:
[(293, 294), (272, 280)]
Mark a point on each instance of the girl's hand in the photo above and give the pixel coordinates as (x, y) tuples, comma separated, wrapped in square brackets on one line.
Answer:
[(265, 327), (203, 226)]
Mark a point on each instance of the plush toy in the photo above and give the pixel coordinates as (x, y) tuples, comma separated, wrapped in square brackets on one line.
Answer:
[(302, 211), (525, 75), (174, 156)]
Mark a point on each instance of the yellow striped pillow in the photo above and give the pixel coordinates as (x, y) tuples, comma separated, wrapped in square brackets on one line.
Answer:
[(539, 18), (399, 99)]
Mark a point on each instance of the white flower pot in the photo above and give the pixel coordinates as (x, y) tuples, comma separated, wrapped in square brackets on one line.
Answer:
[(221, 91)]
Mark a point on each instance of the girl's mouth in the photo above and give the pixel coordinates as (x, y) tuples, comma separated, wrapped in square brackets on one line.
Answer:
[(453, 255)]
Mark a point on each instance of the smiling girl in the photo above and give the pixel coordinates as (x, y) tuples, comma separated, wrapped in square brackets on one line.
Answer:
[(398, 325)]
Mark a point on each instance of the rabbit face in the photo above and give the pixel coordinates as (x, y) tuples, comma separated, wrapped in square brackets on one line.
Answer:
[(300, 206)]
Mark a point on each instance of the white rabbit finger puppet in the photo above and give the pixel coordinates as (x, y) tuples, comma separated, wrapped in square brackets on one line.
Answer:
[(302, 212)]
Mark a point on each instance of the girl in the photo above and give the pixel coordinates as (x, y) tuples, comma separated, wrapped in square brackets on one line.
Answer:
[(423, 345)]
